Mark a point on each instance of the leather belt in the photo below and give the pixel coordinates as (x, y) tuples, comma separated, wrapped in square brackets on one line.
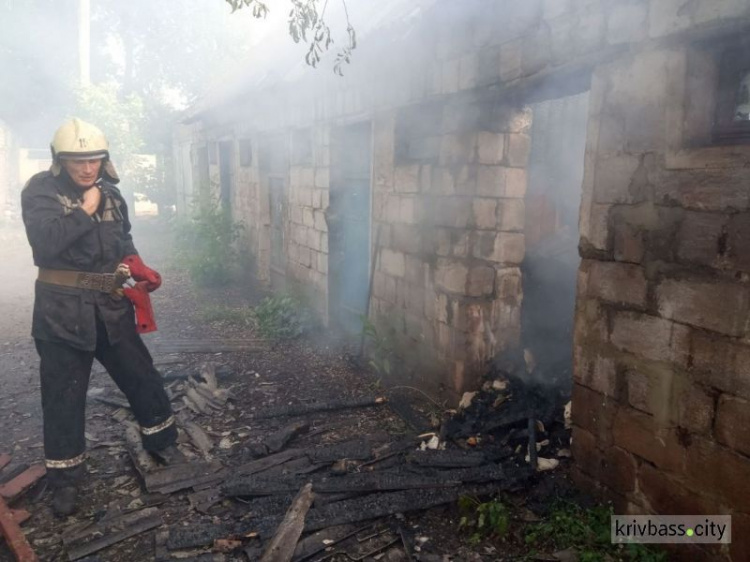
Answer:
[(104, 282)]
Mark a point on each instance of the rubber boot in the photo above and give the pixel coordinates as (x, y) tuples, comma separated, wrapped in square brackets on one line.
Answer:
[(170, 456), (64, 500)]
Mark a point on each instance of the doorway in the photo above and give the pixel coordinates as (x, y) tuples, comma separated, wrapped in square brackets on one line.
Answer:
[(348, 217), (274, 176), (226, 172), (558, 144)]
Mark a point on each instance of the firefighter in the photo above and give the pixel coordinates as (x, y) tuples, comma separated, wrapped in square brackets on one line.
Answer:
[(77, 225)]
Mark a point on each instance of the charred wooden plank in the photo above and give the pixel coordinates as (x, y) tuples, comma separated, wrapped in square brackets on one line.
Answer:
[(374, 506), (205, 499), (5, 459), (284, 542), (174, 478), (256, 466), (447, 459), (318, 542), (107, 533), (14, 536), (302, 409), (380, 482), (404, 409), (257, 486), (202, 535), (357, 449), (279, 439)]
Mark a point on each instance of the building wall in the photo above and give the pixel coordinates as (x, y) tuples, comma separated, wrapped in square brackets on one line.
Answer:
[(660, 399), (661, 392)]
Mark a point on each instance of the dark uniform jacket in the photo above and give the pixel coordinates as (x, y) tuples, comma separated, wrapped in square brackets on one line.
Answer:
[(63, 236)]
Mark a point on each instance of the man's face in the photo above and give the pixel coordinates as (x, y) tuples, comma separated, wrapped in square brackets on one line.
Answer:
[(83, 172)]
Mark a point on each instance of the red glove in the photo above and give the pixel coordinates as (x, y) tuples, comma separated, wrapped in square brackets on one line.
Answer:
[(144, 314), (140, 272)]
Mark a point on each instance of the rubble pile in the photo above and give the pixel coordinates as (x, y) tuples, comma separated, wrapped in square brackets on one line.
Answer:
[(274, 489)]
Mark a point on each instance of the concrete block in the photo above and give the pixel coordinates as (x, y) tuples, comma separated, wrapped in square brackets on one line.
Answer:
[(510, 60), (490, 148), (485, 213), (511, 215), (461, 243), (454, 212), (732, 421), (451, 276), (320, 221), (457, 149), (499, 247), (491, 181), (702, 238), (308, 217), (516, 180), (722, 363), (614, 177), (406, 178), (481, 281), (722, 306), (468, 70), (651, 337), (518, 149), (616, 282), (393, 263), (322, 177)]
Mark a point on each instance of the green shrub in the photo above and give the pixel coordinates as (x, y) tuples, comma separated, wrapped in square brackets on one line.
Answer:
[(282, 317), (206, 244), (483, 519), (381, 347), (588, 531)]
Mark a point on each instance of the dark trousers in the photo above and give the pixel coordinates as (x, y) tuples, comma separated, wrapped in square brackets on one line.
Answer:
[(65, 373)]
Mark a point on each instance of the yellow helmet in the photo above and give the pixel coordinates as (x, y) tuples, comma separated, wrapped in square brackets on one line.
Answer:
[(77, 139)]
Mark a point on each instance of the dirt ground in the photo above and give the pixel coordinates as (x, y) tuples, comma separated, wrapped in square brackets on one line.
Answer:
[(290, 373)]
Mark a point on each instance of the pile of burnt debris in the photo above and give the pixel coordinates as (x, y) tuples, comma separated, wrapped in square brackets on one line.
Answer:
[(281, 497)]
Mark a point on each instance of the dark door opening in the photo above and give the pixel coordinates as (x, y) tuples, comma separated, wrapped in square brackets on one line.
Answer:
[(226, 168), (558, 138), (274, 171), (349, 226)]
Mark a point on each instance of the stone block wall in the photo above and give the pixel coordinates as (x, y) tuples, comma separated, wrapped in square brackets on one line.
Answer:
[(661, 391), (307, 247), (449, 205)]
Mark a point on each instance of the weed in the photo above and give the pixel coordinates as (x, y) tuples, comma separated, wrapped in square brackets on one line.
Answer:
[(483, 519), (588, 531), (206, 243), (282, 317), (382, 348), (243, 316)]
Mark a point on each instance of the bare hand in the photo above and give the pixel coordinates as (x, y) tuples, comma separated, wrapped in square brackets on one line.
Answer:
[(91, 199)]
